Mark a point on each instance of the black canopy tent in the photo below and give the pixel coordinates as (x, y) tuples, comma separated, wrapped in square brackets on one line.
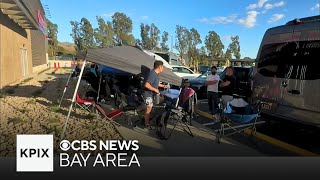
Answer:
[(125, 58), (129, 59)]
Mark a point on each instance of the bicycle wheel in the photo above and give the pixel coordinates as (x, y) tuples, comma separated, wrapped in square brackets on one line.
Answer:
[(163, 130)]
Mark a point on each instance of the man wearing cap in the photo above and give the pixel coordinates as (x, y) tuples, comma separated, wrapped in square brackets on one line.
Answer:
[(212, 91)]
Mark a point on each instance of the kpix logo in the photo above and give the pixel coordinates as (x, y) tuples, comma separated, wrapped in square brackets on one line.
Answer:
[(34, 153)]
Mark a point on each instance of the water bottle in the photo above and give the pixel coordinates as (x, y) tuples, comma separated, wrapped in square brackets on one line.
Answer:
[(168, 86), (157, 99)]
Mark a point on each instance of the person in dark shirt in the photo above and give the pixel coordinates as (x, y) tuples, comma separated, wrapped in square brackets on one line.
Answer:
[(228, 86), (151, 89)]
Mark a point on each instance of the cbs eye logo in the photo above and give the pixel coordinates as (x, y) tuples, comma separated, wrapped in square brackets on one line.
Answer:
[(65, 145), (78, 145)]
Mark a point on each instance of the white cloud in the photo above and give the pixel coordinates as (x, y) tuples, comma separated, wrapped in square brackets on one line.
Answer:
[(258, 5), (317, 6), (204, 20), (109, 14), (271, 6), (219, 19), (227, 38), (251, 19), (275, 17), (144, 17)]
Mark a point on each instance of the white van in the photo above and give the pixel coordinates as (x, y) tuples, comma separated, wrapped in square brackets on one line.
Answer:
[(287, 76)]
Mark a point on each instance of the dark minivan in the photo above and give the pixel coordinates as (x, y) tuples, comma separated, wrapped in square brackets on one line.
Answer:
[(287, 77)]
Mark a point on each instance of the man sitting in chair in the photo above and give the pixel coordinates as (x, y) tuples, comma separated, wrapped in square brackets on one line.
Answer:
[(151, 89)]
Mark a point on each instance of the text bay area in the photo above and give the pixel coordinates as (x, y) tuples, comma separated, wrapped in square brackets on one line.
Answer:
[(102, 160)]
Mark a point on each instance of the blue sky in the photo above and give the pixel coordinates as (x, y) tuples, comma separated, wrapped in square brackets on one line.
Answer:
[(248, 19)]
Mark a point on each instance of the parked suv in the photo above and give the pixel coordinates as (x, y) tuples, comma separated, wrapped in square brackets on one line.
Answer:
[(244, 81)]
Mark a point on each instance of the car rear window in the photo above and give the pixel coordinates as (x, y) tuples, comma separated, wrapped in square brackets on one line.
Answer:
[(241, 73)]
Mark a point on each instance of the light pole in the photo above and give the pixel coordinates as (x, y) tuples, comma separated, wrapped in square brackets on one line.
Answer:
[(171, 42)]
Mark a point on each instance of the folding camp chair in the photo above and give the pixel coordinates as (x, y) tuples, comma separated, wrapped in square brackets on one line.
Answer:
[(84, 104), (107, 115), (133, 108)]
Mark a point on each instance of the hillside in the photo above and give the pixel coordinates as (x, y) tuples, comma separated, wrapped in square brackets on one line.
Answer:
[(67, 48)]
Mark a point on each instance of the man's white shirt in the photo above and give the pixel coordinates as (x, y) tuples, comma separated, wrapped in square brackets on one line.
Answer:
[(213, 87)]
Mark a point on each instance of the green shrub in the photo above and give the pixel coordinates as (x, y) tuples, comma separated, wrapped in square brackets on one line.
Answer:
[(90, 116), (15, 120), (56, 109), (53, 120)]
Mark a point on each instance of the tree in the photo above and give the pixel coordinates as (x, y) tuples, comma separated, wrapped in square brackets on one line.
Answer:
[(150, 36), (138, 43), (145, 39), (214, 45), (193, 40), (154, 36), (87, 33), (53, 38), (228, 56), (182, 40), (163, 44), (122, 26), (76, 35), (234, 46), (203, 55), (130, 40), (104, 33)]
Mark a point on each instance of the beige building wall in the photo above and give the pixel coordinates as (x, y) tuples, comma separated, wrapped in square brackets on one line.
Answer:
[(12, 39)]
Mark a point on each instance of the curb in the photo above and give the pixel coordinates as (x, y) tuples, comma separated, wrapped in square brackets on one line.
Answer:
[(281, 144), (204, 114)]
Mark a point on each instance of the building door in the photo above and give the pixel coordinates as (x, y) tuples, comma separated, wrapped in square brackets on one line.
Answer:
[(24, 62)]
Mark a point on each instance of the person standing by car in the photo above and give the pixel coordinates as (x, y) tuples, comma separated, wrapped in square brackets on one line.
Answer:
[(212, 91), (151, 89), (228, 86)]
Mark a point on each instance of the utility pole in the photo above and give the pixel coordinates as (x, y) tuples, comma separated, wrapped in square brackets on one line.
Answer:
[(171, 42)]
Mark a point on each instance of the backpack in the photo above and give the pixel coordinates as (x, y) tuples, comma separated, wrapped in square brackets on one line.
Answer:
[(187, 100)]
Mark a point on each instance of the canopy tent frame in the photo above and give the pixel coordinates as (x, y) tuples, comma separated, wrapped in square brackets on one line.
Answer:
[(119, 57), (74, 96), (66, 86), (73, 99)]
